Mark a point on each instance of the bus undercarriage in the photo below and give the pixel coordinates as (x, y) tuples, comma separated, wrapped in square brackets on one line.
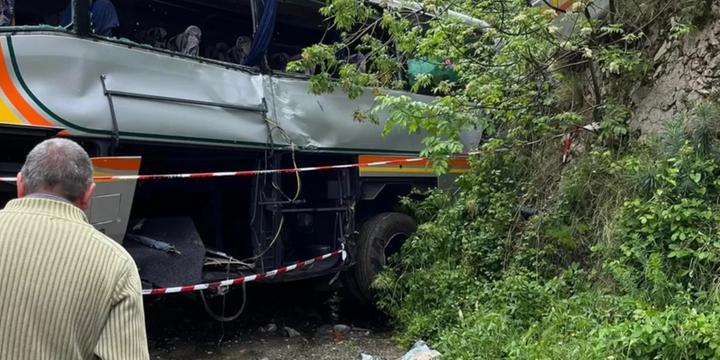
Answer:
[(190, 231)]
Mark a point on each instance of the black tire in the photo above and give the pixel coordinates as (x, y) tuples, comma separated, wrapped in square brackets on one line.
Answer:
[(380, 236)]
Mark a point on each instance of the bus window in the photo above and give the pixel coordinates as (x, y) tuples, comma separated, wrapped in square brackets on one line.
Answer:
[(298, 25), (7, 12), (57, 13), (220, 29), (103, 17), (32, 12)]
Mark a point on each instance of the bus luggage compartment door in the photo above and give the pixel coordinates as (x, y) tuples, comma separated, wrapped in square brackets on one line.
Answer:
[(111, 203)]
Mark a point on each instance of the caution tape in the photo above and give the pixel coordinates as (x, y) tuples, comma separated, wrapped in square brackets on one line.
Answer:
[(244, 172), (244, 279)]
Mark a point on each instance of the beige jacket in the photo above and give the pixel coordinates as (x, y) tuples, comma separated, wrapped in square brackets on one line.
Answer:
[(66, 290)]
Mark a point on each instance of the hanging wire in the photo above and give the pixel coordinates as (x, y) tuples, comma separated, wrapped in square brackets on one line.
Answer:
[(222, 318)]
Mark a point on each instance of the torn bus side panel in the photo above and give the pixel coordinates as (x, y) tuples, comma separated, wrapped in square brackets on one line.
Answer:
[(110, 205)]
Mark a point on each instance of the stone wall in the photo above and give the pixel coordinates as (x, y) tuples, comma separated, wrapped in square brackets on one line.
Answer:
[(686, 72)]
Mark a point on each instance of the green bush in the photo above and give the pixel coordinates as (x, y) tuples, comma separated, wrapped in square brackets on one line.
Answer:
[(676, 332), (621, 262)]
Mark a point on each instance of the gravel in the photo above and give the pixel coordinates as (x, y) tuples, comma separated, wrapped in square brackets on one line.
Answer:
[(270, 328)]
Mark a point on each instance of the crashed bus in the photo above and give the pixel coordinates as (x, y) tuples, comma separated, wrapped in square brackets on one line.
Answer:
[(196, 87), (141, 100)]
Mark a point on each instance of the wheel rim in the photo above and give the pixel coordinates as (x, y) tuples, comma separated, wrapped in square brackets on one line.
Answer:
[(393, 245)]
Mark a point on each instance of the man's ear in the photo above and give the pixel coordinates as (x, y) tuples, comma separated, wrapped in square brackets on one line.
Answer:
[(84, 202), (20, 184)]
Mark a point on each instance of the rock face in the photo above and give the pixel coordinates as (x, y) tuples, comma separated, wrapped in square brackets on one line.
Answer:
[(686, 72)]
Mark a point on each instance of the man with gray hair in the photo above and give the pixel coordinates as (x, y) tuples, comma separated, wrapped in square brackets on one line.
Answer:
[(66, 290)]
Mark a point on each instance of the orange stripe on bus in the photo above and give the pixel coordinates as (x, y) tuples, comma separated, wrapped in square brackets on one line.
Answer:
[(381, 169), (7, 86), (376, 158), (457, 163), (117, 163)]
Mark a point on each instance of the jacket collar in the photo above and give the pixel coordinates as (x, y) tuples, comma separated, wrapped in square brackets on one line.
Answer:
[(47, 206)]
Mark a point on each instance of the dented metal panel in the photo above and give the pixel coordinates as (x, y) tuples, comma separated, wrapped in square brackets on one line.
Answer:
[(326, 121), (61, 74), (54, 79)]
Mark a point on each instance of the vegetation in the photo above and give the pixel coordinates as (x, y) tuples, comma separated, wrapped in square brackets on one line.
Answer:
[(621, 259)]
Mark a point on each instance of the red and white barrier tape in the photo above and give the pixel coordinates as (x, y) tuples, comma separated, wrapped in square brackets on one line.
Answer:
[(568, 138), (244, 172), (244, 279)]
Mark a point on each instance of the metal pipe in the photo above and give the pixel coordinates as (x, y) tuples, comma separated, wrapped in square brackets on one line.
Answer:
[(113, 117), (81, 17), (131, 95), (321, 209), (253, 12)]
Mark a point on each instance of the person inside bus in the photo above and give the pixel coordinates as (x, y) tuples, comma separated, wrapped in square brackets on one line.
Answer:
[(154, 36), (278, 61), (219, 51), (238, 53), (187, 42), (103, 17), (7, 12)]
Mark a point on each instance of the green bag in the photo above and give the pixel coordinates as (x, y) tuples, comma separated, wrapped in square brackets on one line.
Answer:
[(423, 66)]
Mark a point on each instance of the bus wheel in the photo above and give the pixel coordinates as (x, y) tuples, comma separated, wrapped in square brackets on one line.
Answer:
[(380, 236)]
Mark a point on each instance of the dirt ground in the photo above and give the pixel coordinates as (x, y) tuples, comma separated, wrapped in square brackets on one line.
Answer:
[(179, 327)]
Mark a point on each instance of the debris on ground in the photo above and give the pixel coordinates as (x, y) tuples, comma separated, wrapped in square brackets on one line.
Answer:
[(290, 332), (178, 331), (420, 351), (369, 357), (268, 329), (340, 332), (360, 331)]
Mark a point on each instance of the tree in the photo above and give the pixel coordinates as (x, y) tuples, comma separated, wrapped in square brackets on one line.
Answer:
[(508, 76), (620, 260)]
